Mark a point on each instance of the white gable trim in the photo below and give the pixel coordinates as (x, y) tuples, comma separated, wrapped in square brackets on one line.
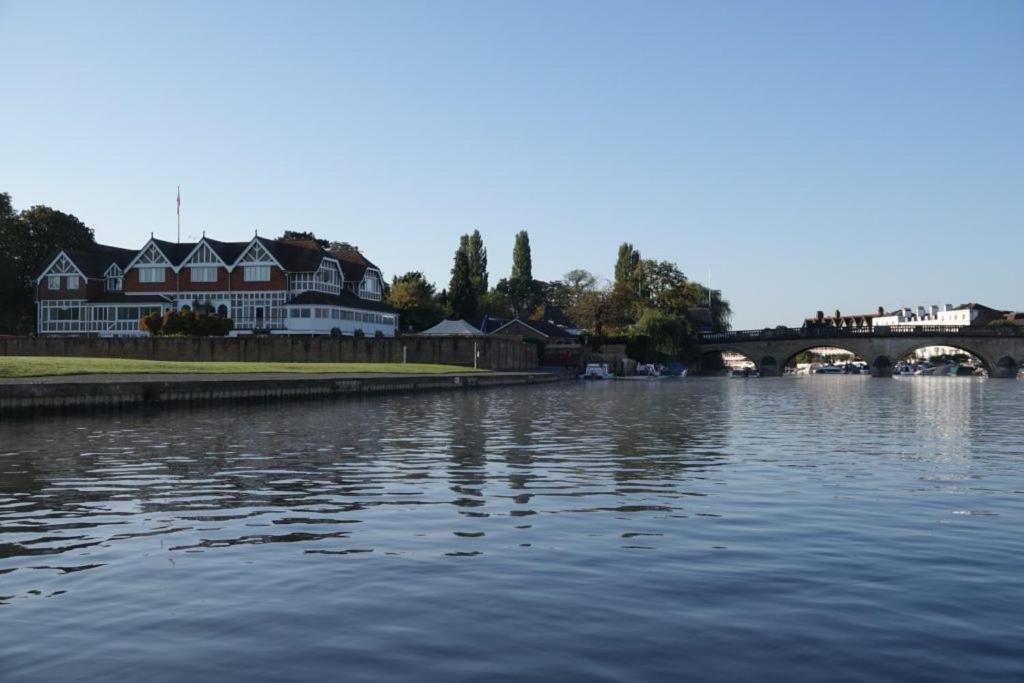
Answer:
[(524, 324), (145, 248), (201, 243), (117, 272), (255, 240), (337, 264), (46, 271)]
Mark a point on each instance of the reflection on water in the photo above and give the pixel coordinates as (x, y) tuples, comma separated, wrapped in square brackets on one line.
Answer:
[(825, 528)]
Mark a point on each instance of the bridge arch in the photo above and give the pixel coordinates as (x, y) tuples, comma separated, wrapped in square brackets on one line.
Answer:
[(739, 351), (791, 353), (988, 363)]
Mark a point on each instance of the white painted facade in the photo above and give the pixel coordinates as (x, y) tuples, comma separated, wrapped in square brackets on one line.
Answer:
[(926, 317)]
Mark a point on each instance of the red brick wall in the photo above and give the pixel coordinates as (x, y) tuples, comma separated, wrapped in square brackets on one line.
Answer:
[(277, 281), (43, 290), (221, 285), (132, 284)]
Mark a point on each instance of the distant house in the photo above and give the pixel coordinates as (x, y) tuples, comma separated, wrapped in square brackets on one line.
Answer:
[(965, 315), (560, 347), (452, 328), (263, 285)]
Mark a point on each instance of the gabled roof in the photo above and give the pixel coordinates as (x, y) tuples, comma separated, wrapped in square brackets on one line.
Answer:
[(94, 261), (354, 265), (449, 328), (176, 252), (293, 256), (489, 324), (545, 329)]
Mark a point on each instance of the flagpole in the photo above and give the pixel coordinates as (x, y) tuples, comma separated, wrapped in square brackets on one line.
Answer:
[(179, 214)]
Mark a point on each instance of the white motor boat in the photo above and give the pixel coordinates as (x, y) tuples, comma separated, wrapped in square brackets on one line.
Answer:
[(596, 371)]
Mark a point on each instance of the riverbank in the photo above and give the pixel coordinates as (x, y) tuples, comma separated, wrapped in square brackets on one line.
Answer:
[(42, 366), (41, 395)]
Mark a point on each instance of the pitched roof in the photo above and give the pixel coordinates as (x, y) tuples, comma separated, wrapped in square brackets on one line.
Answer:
[(176, 252), (94, 261), (975, 307), (449, 328), (489, 324), (294, 256), (543, 328), (346, 299)]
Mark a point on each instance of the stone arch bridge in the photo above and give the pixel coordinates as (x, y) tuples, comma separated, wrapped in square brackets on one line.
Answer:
[(1000, 349)]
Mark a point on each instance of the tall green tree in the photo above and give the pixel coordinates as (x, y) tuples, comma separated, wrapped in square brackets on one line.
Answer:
[(477, 253), (416, 301), (522, 259), (461, 296), (521, 291), (626, 265), (26, 242)]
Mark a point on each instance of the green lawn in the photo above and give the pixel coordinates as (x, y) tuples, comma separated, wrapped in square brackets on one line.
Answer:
[(39, 366)]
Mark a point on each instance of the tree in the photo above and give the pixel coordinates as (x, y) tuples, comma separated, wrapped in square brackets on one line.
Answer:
[(304, 237), (522, 259), (626, 264), (415, 300), (461, 296), (12, 285), (657, 336), (343, 249), (27, 241), (477, 253), (521, 290)]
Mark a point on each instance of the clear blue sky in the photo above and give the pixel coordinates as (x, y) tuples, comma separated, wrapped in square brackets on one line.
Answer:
[(814, 154)]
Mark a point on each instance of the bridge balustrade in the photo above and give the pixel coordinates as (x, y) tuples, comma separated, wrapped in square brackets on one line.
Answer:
[(827, 332)]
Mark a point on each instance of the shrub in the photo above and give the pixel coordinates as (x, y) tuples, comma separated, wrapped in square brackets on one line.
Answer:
[(152, 323), (186, 323), (359, 334), (335, 331), (378, 334)]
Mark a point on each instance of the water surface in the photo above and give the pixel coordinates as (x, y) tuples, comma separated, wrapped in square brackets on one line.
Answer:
[(820, 528)]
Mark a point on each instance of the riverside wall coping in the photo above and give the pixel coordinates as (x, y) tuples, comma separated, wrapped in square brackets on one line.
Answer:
[(41, 395)]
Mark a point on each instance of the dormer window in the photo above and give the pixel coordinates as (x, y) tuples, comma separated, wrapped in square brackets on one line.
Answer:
[(369, 288), (113, 279)]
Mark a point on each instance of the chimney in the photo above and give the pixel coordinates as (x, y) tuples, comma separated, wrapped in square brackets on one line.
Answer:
[(948, 307), (935, 311), (920, 312)]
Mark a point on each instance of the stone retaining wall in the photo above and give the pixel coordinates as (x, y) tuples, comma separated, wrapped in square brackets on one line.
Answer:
[(496, 353), (34, 399)]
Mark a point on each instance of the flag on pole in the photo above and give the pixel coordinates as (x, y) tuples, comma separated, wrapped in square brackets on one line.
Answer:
[(179, 200)]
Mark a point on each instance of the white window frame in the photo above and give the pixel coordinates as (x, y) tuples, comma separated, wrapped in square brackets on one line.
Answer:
[(203, 273), (147, 274), (53, 281), (256, 273), (72, 282)]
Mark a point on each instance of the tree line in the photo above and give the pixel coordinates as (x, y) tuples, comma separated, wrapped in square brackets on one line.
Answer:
[(651, 304)]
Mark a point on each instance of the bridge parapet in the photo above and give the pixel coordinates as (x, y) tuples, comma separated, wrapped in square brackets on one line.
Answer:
[(793, 333), (1000, 349)]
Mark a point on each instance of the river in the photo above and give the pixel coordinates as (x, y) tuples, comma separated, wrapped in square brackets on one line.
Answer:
[(793, 529)]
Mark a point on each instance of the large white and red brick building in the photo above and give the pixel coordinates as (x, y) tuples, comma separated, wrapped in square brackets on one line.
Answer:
[(263, 285)]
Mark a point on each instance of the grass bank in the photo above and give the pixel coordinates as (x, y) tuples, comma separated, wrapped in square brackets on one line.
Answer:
[(42, 366)]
